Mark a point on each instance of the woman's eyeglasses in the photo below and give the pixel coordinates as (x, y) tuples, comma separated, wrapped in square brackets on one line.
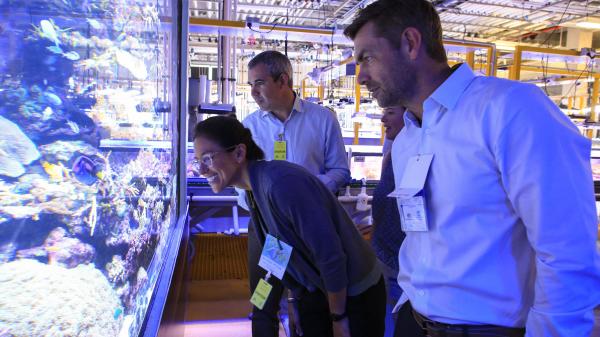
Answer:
[(207, 158)]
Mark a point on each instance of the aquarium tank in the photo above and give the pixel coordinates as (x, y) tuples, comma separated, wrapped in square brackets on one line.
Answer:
[(88, 162)]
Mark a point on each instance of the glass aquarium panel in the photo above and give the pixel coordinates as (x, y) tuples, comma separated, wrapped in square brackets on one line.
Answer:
[(366, 167), (88, 176), (595, 162)]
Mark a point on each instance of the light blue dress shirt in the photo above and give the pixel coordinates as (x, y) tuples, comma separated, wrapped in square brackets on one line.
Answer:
[(510, 206), (313, 140)]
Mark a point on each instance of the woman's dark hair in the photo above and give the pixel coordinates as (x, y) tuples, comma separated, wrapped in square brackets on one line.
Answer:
[(392, 17), (228, 132)]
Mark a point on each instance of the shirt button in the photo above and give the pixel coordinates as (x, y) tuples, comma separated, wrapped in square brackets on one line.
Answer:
[(421, 292)]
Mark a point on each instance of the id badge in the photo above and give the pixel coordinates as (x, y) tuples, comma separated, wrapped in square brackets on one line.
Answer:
[(261, 294), (413, 212), (410, 195), (279, 151), (275, 256)]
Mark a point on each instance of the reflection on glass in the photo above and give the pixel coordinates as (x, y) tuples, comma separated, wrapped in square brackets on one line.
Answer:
[(596, 168), (87, 173), (366, 167)]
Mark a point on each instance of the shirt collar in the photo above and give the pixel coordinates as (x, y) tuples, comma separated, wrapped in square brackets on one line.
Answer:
[(450, 91), (298, 106)]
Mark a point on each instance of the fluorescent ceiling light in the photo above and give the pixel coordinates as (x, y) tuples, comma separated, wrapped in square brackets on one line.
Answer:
[(588, 25)]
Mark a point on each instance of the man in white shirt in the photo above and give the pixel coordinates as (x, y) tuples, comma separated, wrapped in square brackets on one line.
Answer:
[(288, 128), (506, 241)]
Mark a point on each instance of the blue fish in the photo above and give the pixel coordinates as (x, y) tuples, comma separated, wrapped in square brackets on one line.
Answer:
[(86, 170), (55, 49), (53, 98), (118, 313), (73, 56)]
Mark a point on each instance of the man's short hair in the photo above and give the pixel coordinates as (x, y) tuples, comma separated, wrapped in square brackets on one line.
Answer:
[(391, 17), (276, 63)]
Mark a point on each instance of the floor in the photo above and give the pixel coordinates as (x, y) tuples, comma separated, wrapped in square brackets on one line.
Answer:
[(219, 308), (218, 304)]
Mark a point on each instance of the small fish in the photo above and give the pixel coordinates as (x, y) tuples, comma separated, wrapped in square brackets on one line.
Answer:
[(48, 31), (118, 313), (47, 113), (94, 23), (56, 172), (53, 98), (74, 127), (86, 170), (55, 49), (52, 249), (71, 83), (73, 56)]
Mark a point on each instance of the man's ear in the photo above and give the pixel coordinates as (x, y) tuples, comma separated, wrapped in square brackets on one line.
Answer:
[(283, 80), (411, 42)]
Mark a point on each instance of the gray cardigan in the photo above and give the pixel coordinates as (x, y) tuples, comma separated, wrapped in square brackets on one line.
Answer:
[(294, 206)]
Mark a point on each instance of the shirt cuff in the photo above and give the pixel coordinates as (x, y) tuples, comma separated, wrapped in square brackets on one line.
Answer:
[(330, 183)]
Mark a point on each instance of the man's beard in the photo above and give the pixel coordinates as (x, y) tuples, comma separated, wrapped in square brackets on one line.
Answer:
[(399, 89)]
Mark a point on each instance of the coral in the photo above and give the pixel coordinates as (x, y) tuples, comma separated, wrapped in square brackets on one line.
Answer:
[(49, 300), (148, 164), (64, 150), (133, 295), (34, 195), (61, 250), (16, 149), (116, 270)]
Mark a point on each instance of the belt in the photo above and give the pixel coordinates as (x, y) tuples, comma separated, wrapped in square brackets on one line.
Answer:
[(438, 329)]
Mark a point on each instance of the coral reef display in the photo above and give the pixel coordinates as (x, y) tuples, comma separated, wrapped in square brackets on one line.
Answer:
[(50, 300), (61, 250), (16, 149), (84, 208)]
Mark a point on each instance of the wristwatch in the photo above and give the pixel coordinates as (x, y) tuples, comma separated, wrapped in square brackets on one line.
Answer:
[(338, 317)]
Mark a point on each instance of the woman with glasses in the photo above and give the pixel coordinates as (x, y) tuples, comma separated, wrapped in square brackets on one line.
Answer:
[(333, 273)]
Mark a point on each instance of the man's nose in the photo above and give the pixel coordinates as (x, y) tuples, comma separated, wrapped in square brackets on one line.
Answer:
[(363, 76)]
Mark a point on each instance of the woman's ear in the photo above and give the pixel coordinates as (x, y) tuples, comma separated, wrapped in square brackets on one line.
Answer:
[(240, 153)]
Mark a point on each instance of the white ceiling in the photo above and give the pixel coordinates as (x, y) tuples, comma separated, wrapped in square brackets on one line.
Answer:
[(488, 20)]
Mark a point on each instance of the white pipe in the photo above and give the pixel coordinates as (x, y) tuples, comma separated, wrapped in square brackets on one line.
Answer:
[(226, 55), (236, 220), (234, 50)]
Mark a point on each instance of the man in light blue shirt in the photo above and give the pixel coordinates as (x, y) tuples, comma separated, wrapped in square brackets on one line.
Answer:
[(288, 128), (506, 243)]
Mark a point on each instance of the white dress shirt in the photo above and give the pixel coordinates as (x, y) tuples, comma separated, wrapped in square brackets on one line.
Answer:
[(510, 206), (313, 140)]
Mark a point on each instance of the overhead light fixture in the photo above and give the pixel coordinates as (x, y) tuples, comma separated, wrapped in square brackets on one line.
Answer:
[(588, 24)]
